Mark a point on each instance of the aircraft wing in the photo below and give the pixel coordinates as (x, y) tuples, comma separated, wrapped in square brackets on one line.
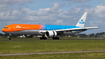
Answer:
[(73, 29)]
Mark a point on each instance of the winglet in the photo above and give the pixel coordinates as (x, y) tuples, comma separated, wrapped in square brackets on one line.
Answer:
[(81, 22)]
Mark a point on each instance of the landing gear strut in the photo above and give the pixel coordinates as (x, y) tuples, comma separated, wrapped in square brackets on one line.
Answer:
[(43, 37)]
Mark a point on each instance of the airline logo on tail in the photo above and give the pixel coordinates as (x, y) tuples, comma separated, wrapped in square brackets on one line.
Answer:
[(81, 22)]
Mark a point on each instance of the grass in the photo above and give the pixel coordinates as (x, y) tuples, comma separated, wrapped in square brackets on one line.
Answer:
[(98, 55), (50, 46)]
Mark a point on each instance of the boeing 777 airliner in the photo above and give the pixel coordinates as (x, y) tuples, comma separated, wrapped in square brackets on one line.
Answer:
[(47, 31)]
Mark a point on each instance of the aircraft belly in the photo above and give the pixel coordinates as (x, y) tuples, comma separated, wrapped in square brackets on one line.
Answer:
[(35, 32), (70, 33)]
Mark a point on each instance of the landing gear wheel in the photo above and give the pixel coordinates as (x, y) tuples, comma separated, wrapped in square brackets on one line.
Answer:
[(56, 38), (43, 38), (9, 38)]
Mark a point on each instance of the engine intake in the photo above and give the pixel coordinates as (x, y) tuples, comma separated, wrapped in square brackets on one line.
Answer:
[(51, 34)]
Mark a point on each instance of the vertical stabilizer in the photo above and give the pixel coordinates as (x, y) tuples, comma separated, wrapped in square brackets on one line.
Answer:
[(81, 22)]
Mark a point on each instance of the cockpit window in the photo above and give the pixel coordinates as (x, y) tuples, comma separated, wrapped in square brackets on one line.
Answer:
[(5, 27)]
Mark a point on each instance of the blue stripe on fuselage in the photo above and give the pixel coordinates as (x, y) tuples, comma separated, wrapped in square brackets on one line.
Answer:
[(57, 27)]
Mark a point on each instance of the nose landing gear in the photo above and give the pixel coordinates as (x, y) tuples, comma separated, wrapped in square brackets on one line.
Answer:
[(9, 36)]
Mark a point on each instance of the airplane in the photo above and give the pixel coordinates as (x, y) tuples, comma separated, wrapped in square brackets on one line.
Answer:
[(47, 31)]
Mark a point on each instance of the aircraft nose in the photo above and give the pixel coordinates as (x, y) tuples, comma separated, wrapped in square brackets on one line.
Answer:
[(3, 30)]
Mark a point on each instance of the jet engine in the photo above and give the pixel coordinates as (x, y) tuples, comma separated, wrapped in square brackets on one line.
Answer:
[(51, 34)]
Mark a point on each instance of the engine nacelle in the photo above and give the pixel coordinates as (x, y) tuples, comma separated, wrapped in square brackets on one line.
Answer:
[(51, 34)]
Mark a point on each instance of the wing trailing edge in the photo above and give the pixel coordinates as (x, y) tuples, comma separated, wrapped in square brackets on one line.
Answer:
[(85, 28)]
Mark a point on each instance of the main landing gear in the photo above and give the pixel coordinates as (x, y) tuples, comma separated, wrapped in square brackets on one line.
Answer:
[(43, 37)]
